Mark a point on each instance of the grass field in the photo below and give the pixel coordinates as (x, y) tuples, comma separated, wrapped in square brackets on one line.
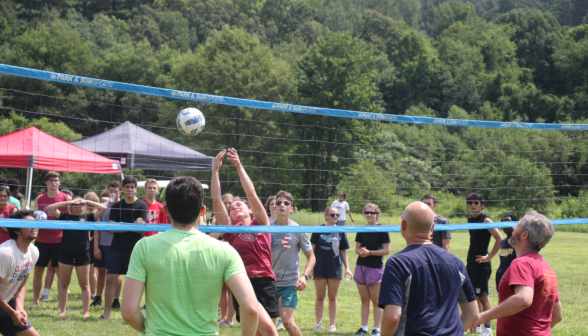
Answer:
[(566, 253)]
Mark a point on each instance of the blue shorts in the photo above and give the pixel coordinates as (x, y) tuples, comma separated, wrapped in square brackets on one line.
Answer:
[(118, 262), (289, 296), (7, 327), (105, 250)]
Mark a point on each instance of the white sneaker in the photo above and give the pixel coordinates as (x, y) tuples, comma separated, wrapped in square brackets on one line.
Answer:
[(332, 328), (478, 329), (280, 324), (318, 327), (44, 297), (486, 332)]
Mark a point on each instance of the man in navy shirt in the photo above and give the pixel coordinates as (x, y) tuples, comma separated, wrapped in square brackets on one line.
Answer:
[(422, 284)]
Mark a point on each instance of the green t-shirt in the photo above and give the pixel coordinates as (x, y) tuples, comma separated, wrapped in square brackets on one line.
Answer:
[(183, 274), (14, 201)]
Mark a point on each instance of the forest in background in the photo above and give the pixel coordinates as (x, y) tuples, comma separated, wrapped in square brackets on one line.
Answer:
[(498, 60)]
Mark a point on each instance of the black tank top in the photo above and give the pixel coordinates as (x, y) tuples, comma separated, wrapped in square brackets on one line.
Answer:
[(479, 240)]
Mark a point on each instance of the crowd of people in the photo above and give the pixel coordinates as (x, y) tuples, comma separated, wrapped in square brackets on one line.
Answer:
[(187, 275)]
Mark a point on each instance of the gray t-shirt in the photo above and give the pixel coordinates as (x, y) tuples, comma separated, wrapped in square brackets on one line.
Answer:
[(105, 236), (438, 236), (286, 255)]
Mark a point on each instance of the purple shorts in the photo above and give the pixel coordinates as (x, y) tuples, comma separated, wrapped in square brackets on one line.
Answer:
[(368, 276)]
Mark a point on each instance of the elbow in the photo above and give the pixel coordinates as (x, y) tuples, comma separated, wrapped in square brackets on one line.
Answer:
[(128, 311), (251, 309)]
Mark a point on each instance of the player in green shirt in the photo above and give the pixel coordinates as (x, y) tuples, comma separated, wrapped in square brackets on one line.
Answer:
[(182, 271)]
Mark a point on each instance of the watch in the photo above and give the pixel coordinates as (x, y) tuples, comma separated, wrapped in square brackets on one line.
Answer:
[(306, 276)]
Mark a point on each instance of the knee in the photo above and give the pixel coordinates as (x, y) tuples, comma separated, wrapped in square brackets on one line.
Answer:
[(111, 278), (320, 297), (289, 324), (332, 299), (365, 299)]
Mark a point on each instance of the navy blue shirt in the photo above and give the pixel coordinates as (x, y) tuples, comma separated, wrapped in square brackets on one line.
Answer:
[(327, 253), (507, 255), (427, 282)]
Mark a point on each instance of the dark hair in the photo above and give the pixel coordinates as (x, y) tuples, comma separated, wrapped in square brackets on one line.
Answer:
[(19, 215), (104, 193), (475, 197), (14, 184), (509, 217), (344, 196), (129, 179), (286, 195), (115, 184), (267, 204), (429, 196), (184, 196), (68, 192), (2, 180), (5, 188), (52, 174)]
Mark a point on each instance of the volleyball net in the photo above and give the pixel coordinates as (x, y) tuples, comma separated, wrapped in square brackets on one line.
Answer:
[(314, 153)]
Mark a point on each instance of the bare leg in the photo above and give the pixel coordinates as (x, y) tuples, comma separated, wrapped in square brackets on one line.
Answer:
[(100, 280), (265, 327), (374, 296), (319, 303), (84, 282), (231, 309), (37, 284), (118, 287), (223, 303), (288, 321), (28, 332), (63, 285), (93, 279), (364, 294), (111, 284), (333, 285)]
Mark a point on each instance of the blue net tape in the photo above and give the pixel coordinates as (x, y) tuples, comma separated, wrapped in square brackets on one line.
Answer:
[(200, 97), (102, 226)]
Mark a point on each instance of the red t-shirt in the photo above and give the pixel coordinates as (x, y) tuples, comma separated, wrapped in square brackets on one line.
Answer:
[(255, 250), (529, 270), (43, 203), (5, 213), (155, 215)]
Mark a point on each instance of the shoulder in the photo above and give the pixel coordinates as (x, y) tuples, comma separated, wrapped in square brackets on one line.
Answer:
[(441, 220), (140, 204), (293, 223), (6, 249)]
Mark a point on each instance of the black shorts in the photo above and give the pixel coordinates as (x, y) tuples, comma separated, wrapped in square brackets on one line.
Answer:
[(118, 262), (92, 252), (479, 277), (7, 327), (76, 259), (48, 251), (266, 293)]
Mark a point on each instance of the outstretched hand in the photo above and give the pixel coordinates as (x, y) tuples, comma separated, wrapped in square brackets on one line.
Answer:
[(218, 160), (234, 157)]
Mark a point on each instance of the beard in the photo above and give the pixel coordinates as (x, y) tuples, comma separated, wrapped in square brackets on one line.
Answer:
[(514, 239)]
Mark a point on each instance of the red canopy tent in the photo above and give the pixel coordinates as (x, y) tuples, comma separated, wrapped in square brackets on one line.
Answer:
[(32, 148)]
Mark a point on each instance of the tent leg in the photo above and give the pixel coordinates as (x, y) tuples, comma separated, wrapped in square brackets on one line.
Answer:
[(29, 187)]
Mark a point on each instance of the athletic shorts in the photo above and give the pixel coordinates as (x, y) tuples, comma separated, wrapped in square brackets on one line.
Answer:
[(76, 259), (92, 252), (118, 262), (289, 296), (105, 250), (48, 252), (479, 277), (341, 222), (325, 278), (7, 327), (267, 295), (368, 276)]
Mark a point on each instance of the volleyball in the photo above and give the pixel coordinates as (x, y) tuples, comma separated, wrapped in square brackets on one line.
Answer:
[(190, 121), (40, 215)]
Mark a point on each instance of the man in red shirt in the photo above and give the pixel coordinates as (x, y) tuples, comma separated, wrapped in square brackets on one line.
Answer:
[(528, 300), (48, 241), (155, 213)]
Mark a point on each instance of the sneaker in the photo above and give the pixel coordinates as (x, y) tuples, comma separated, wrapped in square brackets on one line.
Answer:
[(145, 306), (318, 327), (486, 332), (97, 302), (375, 332), (332, 328), (361, 331), (478, 329), (280, 325), (45, 298), (115, 305)]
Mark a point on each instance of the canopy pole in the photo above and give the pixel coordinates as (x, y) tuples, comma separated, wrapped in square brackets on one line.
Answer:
[(29, 186)]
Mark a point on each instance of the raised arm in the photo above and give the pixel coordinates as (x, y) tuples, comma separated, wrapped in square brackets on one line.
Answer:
[(254, 202), (101, 208), (220, 212), (54, 208), (497, 241)]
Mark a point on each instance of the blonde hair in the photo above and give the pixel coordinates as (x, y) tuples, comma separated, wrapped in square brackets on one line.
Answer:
[(329, 208), (375, 207), (230, 197), (91, 196), (151, 181)]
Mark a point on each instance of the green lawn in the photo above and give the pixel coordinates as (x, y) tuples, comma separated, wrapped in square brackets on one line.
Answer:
[(566, 254)]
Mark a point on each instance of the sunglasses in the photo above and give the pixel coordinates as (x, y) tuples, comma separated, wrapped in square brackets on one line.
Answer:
[(370, 213), (473, 202), (286, 203), (334, 215), (4, 187)]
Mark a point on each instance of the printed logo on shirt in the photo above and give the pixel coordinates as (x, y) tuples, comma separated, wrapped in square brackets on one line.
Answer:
[(152, 216), (21, 271), (333, 240), (48, 213), (505, 252), (248, 237), (285, 241), (549, 285)]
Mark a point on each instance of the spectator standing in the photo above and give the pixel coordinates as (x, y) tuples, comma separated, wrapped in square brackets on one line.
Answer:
[(155, 213), (343, 208), (48, 241), (439, 238), (6, 209), (14, 186), (507, 252), (127, 210), (91, 196), (270, 208)]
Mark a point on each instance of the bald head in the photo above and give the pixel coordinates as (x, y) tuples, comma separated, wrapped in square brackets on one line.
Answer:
[(419, 217)]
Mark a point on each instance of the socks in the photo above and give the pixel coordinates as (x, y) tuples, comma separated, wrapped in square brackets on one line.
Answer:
[(377, 329), (98, 297), (364, 327), (46, 291), (487, 326)]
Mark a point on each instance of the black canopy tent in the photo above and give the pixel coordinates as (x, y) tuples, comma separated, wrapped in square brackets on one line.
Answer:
[(137, 148)]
